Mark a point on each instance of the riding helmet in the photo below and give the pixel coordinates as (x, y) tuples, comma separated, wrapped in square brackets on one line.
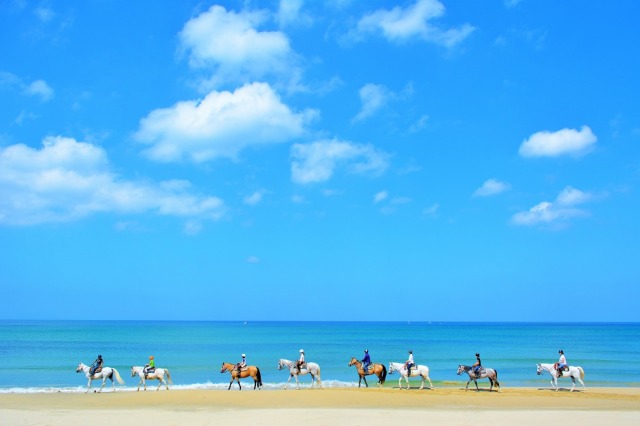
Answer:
[(366, 350), (99, 356), (301, 351), (561, 352), (244, 356), (477, 355)]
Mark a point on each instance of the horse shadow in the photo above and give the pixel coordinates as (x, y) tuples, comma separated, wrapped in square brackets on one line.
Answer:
[(560, 390), (411, 388), (481, 390)]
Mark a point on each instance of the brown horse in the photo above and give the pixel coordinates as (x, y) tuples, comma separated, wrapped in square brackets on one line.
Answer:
[(378, 369), (251, 371)]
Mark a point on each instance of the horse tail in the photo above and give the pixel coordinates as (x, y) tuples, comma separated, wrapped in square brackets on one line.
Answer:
[(581, 372), (258, 377), (168, 376), (384, 374), (118, 378)]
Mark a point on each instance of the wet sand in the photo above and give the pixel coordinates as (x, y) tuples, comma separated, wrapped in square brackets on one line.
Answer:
[(341, 406)]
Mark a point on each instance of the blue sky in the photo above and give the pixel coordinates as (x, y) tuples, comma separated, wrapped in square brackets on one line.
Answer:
[(337, 160)]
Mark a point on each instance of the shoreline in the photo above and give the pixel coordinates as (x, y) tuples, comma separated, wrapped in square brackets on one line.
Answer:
[(374, 406)]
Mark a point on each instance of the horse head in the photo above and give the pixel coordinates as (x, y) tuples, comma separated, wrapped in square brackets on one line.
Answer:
[(224, 368), (280, 364), (391, 368), (133, 371), (353, 361), (539, 369), (461, 369), (80, 368)]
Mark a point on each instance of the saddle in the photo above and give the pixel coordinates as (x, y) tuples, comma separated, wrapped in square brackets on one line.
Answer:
[(479, 372)]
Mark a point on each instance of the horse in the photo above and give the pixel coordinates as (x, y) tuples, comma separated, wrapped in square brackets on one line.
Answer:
[(378, 369), (250, 371), (104, 374), (308, 367), (574, 373), (488, 373), (419, 370), (157, 374)]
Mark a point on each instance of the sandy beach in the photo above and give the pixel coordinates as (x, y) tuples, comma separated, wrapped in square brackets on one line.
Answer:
[(371, 406)]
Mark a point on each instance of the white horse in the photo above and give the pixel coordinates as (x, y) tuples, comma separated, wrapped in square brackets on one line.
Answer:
[(309, 367), (157, 374), (104, 374), (488, 373), (418, 370), (574, 373)]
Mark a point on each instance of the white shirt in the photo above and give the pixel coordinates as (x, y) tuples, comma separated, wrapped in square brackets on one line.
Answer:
[(410, 360), (562, 359), (301, 357)]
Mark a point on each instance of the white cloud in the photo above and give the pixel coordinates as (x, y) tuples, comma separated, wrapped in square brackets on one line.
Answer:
[(253, 259), (553, 144), (229, 44), (491, 187), (289, 13), (35, 88), (399, 24), (67, 180), (40, 88), (372, 97), (220, 125), (317, 161), (380, 196), (559, 211), (254, 199)]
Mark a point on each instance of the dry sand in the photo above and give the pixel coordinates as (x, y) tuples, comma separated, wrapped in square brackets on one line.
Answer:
[(371, 406)]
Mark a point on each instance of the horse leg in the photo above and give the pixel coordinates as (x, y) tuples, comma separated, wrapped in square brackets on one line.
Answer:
[(297, 382), (287, 384), (407, 379), (139, 383), (89, 385), (159, 383), (467, 387), (476, 382), (422, 384), (365, 381), (430, 384), (573, 380), (359, 380)]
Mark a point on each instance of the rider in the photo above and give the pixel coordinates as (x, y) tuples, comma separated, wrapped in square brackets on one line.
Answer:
[(477, 366), (97, 365), (409, 363), (366, 361), (150, 367), (300, 361), (242, 363), (561, 364)]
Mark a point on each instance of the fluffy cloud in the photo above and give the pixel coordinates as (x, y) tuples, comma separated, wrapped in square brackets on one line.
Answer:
[(380, 196), (372, 97), (561, 210), (220, 125), (399, 24), (230, 45), (491, 187), (317, 161), (554, 144), (67, 180)]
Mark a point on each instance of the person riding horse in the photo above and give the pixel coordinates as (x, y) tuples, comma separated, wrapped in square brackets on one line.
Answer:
[(241, 364), (366, 361), (561, 364), (150, 367), (477, 366), (300, 361), (409, 363), (97, 365)]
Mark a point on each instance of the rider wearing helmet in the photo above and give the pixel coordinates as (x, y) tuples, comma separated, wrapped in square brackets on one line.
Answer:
[(561, 364), (150, 367), (97, 365), (477, 366), (409, 363), (300, 360), (366, 361)]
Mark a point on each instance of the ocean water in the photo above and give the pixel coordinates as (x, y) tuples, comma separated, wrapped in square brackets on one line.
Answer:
[(41, 356)]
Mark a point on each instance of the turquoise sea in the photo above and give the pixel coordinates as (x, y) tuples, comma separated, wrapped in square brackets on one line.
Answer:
[(41, 356)]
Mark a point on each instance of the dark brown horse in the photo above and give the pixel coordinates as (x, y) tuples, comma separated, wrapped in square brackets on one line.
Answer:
[(251, 371), (378, 369)]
